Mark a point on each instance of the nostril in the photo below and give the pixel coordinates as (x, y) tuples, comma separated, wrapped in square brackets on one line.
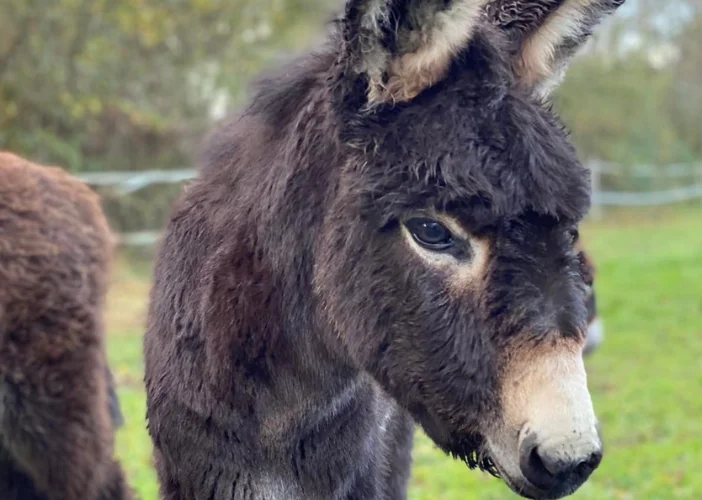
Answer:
[(551, 471), (595, 459), (535, 469), (588, 466)]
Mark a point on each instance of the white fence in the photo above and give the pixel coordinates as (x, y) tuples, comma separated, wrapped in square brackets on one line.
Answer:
[(125, 183)]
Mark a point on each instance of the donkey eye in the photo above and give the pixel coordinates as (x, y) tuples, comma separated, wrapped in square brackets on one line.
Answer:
[(430, 234), (574, 236)]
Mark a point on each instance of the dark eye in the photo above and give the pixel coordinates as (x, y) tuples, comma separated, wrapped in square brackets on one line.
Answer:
[(431, 234), (573, 235)]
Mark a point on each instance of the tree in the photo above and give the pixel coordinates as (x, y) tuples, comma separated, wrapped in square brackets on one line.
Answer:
[(131, 83)]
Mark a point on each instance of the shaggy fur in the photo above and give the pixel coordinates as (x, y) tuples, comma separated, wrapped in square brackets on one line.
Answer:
[(56, 430), (294, 337), (546, 34)]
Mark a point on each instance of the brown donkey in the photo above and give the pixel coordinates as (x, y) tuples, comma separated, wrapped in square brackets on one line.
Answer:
[(384, 236), (58, 406)]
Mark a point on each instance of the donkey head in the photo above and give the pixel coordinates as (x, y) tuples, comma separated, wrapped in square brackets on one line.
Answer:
[(447, 265)]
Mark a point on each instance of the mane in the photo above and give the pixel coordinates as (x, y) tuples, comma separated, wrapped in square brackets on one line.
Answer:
[(277, 99), (279, 96)]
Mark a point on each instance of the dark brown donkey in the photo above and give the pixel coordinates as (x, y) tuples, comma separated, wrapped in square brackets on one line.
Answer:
[(58, 407), (384, 236)]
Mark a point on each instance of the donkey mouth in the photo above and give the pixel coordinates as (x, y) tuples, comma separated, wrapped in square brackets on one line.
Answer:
[(525, 489), (520, 486)]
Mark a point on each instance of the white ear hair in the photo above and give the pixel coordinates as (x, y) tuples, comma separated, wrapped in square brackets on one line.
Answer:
[(548, 34), (405, 47)]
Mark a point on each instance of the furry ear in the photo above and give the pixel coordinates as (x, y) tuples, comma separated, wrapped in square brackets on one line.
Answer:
[(405, 46), (546, 34)]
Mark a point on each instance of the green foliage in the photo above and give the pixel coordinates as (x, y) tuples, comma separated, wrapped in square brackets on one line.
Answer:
[(645, 379), (686, 98), (620, 111), (129, 84)]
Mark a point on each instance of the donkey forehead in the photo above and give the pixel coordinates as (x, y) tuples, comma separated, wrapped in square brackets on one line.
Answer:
[(502, 156)]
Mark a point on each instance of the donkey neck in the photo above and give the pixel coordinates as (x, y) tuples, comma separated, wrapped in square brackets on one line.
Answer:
[(331, 441)]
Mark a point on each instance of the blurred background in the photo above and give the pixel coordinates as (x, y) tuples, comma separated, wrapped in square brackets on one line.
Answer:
[(120, 92)]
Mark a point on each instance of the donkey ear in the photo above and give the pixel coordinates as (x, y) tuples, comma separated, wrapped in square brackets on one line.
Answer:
[(546, 34), (405, 46)]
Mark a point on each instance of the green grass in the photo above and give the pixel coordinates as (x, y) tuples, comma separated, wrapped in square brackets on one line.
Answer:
[(646, 380)]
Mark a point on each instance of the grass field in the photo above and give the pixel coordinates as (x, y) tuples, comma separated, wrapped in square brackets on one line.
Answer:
[(646, 380)]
